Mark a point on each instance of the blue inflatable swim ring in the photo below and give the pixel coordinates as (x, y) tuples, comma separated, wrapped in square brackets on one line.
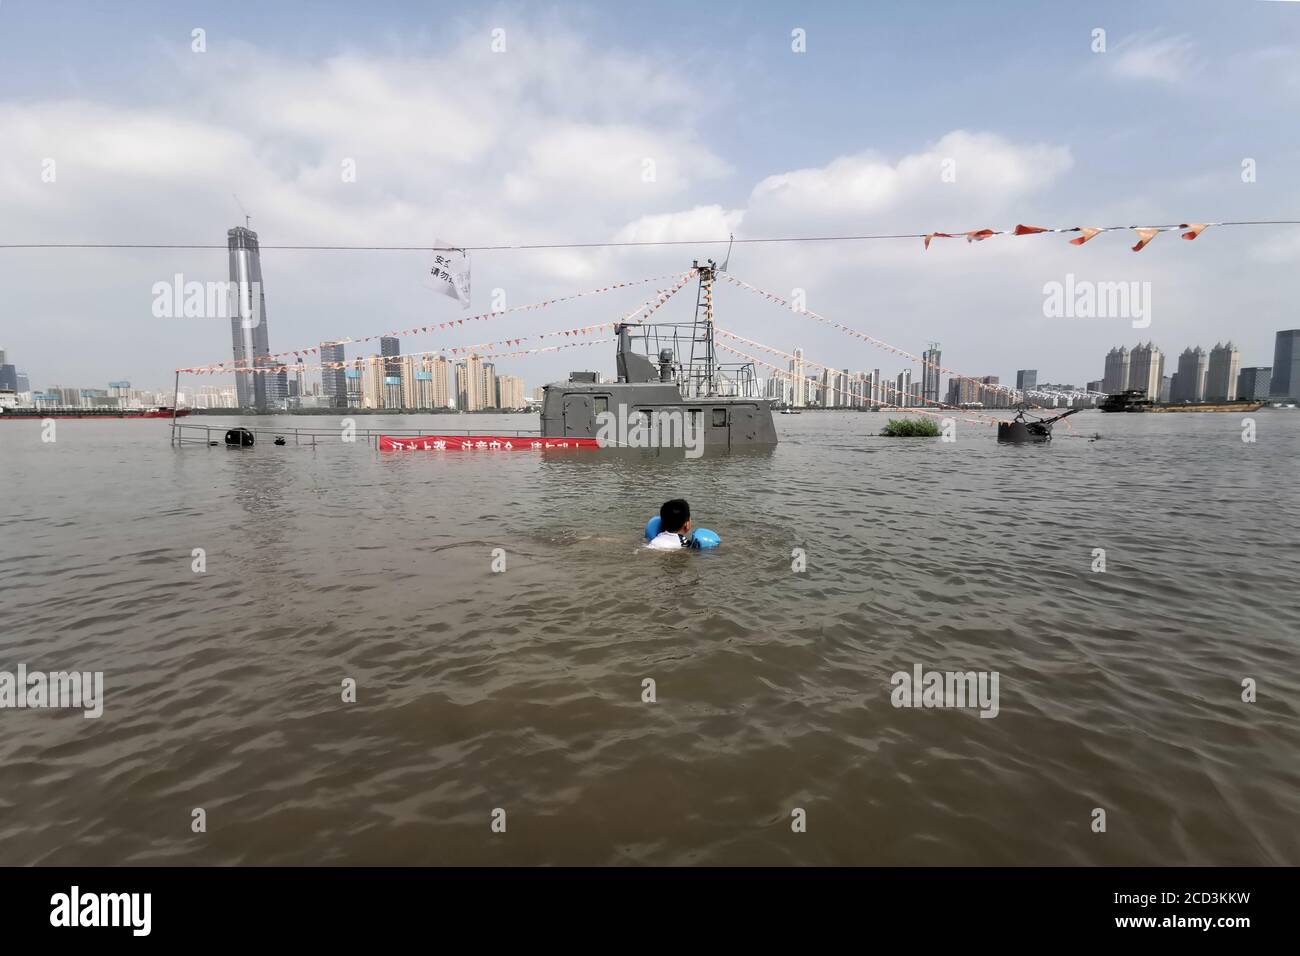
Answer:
[(703, 537), (706, 538)]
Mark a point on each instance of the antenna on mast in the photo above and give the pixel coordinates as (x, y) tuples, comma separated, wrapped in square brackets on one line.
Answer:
[(248, 220)]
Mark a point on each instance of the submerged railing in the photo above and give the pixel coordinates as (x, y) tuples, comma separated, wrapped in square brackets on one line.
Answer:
[(187, 433)]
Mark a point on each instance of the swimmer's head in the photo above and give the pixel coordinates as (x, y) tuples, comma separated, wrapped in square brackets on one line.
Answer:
[(676, 516)]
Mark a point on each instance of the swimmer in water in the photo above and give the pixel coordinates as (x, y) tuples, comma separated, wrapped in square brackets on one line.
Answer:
[(675, 528)]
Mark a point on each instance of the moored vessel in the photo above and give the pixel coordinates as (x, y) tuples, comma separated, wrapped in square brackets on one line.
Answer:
[(31, 411)]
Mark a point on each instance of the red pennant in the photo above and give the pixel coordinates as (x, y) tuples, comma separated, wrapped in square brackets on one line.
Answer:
[(979, 235), (1023, 230), (1194, 229), (1088, 233), (1145, 236)]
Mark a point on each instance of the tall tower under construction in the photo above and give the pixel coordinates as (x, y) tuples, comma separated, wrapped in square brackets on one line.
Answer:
[(258, 390)]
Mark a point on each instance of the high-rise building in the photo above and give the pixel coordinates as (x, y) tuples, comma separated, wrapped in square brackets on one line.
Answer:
[(1189, 382), (1027, 379), (902, 388), (352, 378), (469, 384), (1221, 375), (444, 391), (372, 382), (798, 382), (1146, 369), (1115, 378), (1166, 385), (1095, 385), (9, 377), (931, 360), (488, 385), (333, 382), (510, 392), (248, 330), (1253, 383), (393, 390), (391, 349), (417, 382), (1286, 366)]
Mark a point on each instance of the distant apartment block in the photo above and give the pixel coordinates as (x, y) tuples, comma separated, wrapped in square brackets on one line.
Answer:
[(1221, 375)]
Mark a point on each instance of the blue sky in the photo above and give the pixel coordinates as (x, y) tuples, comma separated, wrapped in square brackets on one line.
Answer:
[(541, 143)]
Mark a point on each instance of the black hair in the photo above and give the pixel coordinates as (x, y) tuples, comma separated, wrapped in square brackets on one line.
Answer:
[(674, 514)]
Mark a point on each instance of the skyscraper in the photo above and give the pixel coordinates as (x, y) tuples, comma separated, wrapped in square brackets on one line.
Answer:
[(1221, 376), (931, 359), (1189, 382), (353, 378), (248, 323), (469, 384), (333, 382), (1027, 379), (1253, 383), (444, 394), (902, 388), (1117, 365), (391, 348), (799, 386), (1146, 370), (1286, 366), (372, 382)]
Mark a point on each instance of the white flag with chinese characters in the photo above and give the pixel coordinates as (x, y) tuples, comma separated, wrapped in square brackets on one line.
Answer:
[(451, 272)]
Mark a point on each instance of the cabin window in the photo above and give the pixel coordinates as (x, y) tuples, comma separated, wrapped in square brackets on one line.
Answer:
[(602, 404), (719, 418)]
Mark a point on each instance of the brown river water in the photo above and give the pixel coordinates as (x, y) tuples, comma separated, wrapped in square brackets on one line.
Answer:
[(522, 690)]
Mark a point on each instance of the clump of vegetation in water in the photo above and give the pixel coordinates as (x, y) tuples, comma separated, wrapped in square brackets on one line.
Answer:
[(910, 428)]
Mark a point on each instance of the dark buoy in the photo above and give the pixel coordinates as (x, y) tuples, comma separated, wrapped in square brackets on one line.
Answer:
[(279, 439), (239, 438), (1021, 430)]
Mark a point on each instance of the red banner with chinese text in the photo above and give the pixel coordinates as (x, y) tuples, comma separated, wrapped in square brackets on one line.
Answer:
[(481, 443)]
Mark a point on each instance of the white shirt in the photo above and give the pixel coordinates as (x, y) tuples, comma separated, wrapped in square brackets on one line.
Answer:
[(665, 541)]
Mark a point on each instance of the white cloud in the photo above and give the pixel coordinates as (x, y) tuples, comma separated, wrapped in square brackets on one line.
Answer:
[(1169, 59), (963, 173)]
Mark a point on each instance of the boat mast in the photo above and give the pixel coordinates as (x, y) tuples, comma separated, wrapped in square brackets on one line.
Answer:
[(704, 324)]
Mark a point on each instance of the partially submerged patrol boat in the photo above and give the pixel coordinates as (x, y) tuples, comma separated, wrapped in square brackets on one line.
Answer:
[(1022, 430), (666, 372)]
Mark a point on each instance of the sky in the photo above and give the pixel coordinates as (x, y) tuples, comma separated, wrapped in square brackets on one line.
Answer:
[(893, 118)]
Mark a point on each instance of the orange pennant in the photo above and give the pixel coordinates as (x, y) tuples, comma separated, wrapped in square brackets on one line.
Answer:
[(943, 235), (1022, 230), (1146, 235), (1194, 229), (1088, 233), (979, 235)]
